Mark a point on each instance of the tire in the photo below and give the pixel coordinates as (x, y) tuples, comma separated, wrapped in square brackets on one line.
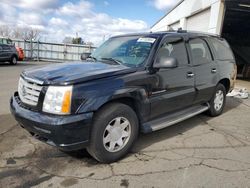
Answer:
[(13, 60), (109, 141), (217, 103)]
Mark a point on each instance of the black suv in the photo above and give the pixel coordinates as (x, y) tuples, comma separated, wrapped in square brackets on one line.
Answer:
[(8, 53), (138, 82)]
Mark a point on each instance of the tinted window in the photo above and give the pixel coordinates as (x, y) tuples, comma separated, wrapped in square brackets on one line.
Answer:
[(223, 51), (200, 51), (175, 47)]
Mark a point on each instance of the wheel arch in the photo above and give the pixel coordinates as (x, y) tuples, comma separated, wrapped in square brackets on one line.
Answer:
[(139, 107), (14, 55), (226, 83), (129, 101)]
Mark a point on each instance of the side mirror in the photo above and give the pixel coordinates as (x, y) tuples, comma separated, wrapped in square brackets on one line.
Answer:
[(85, 56), (165, 62)]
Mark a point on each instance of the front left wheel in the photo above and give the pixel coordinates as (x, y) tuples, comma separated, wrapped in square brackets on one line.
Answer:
[(114, 131)]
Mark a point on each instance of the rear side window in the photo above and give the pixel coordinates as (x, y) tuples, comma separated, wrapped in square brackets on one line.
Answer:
[(175, 47), (200, 51), (223, 51)]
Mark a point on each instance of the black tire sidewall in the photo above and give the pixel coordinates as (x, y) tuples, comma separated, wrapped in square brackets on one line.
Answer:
[(212, 110), (101, 120)]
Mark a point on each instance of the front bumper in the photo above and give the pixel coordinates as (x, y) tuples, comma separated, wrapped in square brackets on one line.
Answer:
[(71, 132)]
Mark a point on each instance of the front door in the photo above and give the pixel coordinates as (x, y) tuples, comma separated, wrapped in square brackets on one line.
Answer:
[(175, 88)]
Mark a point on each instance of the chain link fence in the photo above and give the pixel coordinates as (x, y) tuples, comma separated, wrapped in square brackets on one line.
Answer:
[(46, 51)]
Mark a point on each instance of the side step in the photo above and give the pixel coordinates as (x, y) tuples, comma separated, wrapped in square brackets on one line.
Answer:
[(173, 118)]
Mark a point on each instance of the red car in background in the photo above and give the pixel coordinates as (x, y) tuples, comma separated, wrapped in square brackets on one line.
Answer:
[(20, 53)]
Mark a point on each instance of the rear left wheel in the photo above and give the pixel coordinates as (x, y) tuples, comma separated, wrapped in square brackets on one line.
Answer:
[(114, 131), (13, 60), (218, 100)]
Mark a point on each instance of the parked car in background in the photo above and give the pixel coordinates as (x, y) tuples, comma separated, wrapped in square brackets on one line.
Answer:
[(8, 53), (139, 82), (21, 54)]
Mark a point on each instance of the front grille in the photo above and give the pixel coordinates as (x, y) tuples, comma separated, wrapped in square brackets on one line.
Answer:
[(29, 91)]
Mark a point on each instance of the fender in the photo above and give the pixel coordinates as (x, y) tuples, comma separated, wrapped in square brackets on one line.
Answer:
[(228, 70), (137, 95)]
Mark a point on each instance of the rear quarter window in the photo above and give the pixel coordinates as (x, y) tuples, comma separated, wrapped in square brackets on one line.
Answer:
[(222, 49)]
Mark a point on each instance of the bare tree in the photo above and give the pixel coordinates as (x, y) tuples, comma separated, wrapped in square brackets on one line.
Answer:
[(17, 33), (26, 33), (5, 31), (30, 34)]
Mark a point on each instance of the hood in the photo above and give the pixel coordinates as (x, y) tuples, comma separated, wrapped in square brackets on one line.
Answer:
[(76, 72)]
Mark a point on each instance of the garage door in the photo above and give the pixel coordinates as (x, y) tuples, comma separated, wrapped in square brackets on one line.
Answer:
[(199, 22), (175, 25)]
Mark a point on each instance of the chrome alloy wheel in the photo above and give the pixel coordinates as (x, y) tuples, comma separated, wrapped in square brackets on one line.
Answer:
[(218, 100), (116, 134)]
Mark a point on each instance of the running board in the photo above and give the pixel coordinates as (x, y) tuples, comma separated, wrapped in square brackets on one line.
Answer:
[(174, 118)]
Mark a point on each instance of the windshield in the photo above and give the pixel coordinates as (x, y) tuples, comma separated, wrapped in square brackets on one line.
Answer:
[(130, 51)]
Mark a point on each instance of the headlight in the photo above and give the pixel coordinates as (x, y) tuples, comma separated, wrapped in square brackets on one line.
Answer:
[(58, 100)]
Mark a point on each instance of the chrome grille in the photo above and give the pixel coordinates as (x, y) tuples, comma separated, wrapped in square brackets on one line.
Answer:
[(29, 91)]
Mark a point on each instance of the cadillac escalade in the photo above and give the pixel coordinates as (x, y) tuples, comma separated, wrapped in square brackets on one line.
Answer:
[(132, 83)]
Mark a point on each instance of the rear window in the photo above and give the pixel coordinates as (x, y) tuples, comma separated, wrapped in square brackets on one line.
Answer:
[(223, 51)]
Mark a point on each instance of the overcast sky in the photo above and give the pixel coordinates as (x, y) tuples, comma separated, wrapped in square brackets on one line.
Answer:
[(91, 19)]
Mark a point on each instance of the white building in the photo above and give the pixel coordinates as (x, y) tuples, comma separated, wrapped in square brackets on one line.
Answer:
[(228, 18)]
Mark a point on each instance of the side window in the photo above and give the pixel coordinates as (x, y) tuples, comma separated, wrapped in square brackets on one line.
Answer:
[(175, 47), (200, 51), (223, 51)]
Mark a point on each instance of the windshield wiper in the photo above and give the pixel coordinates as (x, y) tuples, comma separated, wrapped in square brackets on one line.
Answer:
[(113, 60)]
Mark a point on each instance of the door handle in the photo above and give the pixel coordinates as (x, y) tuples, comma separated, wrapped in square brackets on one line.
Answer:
[(213, 70), (190, 75)]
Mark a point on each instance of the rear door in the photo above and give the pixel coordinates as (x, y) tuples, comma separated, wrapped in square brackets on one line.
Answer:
[(175, 88), (205, 69)]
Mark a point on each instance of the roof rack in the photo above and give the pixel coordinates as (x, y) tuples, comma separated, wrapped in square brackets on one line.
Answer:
[(180, 30)]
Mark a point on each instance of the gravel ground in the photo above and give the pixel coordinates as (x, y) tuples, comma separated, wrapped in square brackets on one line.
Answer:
[(199, 152)]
